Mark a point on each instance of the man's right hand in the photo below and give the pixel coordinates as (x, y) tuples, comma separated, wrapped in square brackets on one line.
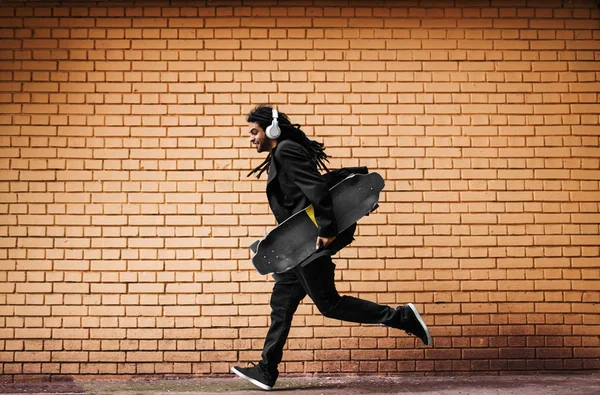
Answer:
[(323, 242)]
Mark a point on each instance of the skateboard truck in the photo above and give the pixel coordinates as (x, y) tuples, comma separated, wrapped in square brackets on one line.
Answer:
[(375, 207)]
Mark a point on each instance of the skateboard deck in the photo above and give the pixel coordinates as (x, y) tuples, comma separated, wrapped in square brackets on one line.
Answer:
[(294, 240)]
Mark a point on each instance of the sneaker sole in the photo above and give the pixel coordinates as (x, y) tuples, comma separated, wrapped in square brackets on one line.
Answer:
[(414, 310), (250, 379)]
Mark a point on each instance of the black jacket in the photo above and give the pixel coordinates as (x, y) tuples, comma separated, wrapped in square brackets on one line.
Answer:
[(294, 183)]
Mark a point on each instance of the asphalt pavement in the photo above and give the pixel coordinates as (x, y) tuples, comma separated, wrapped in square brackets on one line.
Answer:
[(531, 384)]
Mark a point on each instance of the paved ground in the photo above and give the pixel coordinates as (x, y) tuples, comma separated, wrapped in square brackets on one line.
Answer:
[(546, 384)]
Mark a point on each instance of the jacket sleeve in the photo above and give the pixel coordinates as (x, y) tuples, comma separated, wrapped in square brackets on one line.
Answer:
[(303, 172)]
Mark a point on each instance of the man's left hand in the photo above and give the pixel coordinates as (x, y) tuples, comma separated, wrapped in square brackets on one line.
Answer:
[(324, 241)]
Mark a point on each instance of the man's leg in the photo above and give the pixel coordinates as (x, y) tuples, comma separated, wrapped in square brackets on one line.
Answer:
[(319, 282), (287, 294), (285, 298)]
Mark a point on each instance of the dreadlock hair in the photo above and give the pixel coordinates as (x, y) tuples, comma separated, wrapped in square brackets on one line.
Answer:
[(263, 116)]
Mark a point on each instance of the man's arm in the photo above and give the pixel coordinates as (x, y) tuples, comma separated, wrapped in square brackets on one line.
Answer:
[(304, 174)]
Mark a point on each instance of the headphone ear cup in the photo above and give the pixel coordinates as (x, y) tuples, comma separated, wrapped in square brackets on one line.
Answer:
[(273, 132)]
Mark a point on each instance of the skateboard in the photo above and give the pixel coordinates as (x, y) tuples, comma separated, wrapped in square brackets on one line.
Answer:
[(294, 240)]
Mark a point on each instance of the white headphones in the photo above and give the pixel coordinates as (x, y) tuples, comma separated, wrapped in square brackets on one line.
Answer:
[(273, 130)]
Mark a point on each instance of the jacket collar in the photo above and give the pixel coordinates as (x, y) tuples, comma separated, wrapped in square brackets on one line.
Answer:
[(272, 167)]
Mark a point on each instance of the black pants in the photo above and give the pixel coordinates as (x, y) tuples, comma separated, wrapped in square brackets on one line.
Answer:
[(317, 281)]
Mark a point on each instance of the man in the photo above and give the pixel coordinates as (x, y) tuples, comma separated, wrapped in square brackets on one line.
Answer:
[(294, 182)]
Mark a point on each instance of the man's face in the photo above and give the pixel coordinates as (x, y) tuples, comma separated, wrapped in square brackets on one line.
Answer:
[(259, 138)]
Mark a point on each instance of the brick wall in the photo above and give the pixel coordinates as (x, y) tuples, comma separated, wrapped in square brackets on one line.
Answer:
[(126, 212)]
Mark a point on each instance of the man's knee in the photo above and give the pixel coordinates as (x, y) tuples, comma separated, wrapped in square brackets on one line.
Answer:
[(329, 307)]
